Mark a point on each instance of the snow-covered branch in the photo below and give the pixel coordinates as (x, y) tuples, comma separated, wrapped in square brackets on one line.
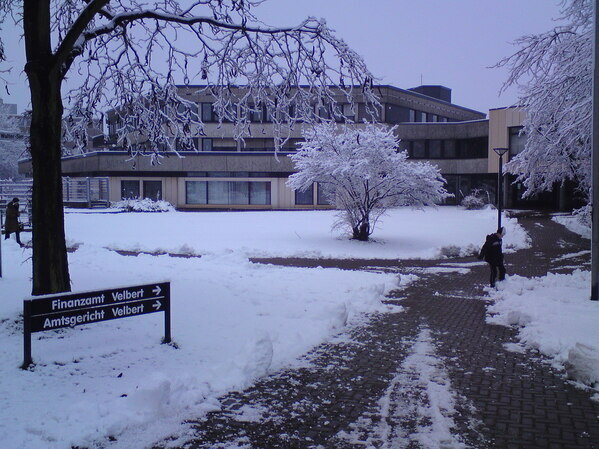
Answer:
[(554, 73)]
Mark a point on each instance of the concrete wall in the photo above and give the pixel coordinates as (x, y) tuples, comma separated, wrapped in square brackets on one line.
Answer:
[(500, 120)]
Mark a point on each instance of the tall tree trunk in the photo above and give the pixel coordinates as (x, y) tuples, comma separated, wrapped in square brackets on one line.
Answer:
[(50, 265)]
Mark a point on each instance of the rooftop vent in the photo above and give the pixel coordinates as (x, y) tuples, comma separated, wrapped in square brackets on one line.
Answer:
[(439, 92)]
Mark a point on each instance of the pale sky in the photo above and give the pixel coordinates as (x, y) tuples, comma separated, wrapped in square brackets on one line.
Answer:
[(447, 42)]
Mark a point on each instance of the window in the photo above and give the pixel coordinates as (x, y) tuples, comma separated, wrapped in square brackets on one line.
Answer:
[(322, 197), (153, 190), (129, 190), (186, 143), (405, 145), (396, 114), (418, 149), (207, 144), (517, 140), (227, 192), (305, 198), (195, 192), (348, 111), (207, 113), (475, 148), (324, 112), (259, 193), (412, 117), (434, 149), (256, 113), (449, 150)]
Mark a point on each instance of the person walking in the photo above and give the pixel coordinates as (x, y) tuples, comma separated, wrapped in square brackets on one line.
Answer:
[(492, 253), (11, 223)]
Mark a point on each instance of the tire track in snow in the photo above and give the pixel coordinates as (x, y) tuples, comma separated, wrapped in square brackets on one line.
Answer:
[(417, 409)]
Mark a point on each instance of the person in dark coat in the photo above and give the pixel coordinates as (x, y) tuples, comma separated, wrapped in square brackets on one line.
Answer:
[(11, 224), (492, 253)]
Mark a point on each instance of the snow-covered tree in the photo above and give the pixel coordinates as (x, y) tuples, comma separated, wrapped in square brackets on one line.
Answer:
[(554, 72), (12, 144), (128, 54), (363, 173)]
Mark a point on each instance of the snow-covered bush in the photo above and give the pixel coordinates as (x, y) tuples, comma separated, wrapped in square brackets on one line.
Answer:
[(473, 202), (583, 215), (477, 199), (363, 174), (145, 205)]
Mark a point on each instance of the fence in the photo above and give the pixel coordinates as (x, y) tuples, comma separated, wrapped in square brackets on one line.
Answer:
[(17, 189), (77, 192), (85, 192)]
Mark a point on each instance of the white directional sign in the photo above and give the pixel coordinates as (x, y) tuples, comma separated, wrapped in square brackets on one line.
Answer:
[(73, 309)]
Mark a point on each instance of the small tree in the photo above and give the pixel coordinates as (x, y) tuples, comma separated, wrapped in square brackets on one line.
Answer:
[(554, 72), (363, 173)]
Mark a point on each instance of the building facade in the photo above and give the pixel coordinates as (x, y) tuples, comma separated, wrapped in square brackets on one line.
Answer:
[(505, 131), (218, 171)]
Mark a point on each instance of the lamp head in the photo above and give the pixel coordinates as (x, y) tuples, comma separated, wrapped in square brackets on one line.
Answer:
[(500, 151)]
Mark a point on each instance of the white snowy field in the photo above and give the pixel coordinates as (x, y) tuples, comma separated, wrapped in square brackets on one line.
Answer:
[(232, 320), (554, 315), (402, 233)]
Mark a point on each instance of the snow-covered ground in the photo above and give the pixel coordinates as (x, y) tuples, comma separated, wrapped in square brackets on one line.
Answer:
[(555, 316), (402, 233), (573, 224), (232, 320)]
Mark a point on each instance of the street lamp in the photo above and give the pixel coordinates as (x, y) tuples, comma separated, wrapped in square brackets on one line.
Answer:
[(500, 152)]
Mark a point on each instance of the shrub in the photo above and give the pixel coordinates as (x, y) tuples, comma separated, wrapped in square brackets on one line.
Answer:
[(145, 205), (472, 202), (477, 199)]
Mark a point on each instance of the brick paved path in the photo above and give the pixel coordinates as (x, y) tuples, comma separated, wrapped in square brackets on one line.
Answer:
[(369, 389)]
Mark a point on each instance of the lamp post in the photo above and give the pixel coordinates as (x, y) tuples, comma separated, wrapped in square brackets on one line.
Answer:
[(500, 152)]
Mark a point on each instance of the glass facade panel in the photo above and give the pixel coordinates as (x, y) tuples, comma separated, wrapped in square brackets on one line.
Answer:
[(322, 197), (196, 192), (218, 192), (434, 149), (259, 192), (207, 144), (239, 193), (256, 113), (227, 192), (153, 190), (129, 190), (449, 150), (396, 114), (306, 197), (418, 149), (517, 140), (207, 112)]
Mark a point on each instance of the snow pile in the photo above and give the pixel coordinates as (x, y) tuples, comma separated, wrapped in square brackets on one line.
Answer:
[(232, 321), (145, 205), (575, 223), (556, 317)]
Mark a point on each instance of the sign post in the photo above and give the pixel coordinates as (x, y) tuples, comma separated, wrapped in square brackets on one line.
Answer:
[(72, 309)]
